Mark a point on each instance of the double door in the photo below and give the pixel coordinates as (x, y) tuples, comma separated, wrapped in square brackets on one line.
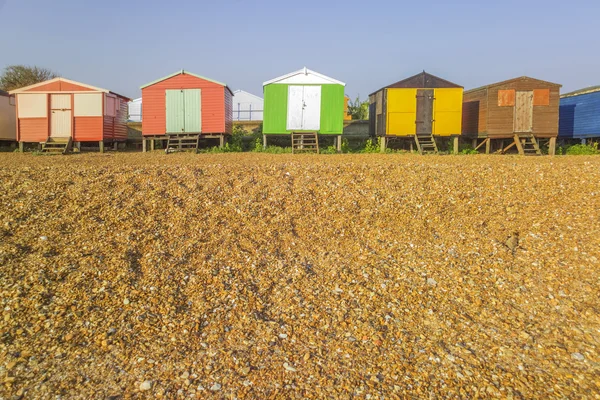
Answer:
[(184, 111), (304, 108)]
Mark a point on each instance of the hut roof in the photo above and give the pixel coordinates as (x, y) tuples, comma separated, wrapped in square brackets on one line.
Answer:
[(60, 79), (180, 72), (590, 89), (511, 80), (306, 76), (422, 80)]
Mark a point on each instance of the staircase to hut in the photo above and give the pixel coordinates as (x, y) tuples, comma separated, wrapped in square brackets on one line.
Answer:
[(182, 142), (528, 145), (305, 142), (54, 145), (426, 143)]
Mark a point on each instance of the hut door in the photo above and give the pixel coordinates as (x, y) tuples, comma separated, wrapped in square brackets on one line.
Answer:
[(304, 108), (424, 120), (524, 112), (192, 108), (60, 115), (175, 111)]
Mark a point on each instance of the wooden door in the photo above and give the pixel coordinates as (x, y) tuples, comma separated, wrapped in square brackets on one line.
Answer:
[(60, 115), (523, 112), (175, 111), (311, 113), (192, 107), (295, 108), (424, 122)]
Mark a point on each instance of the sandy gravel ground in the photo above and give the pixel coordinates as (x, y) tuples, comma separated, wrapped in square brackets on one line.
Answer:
[(280, 276)]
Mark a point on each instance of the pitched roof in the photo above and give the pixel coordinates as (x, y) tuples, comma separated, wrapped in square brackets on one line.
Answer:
[(248, 93), (590, 89), (180, 72), (318, 78), (511, 80), (60, 79), (422, 80)]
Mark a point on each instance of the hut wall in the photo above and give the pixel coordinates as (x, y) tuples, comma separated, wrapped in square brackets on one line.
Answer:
[(474, 119), (500, 117), (580, 116), (8, 121), (213, 104)]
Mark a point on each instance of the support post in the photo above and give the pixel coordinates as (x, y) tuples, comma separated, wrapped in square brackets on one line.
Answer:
[(519, 145), (264, 141), (488, 146), (474, 142), (412, 148), (383, 143), (21, 147), (143, 145), (115, 146), (152, 144), (339, 143), (552, 146), (455, 150), (78, 146), (101, 143), (221, 141), (583, 141)]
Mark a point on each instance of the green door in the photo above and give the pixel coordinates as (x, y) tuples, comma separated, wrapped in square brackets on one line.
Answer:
[(193, 107), (175, 111), (183, 110)]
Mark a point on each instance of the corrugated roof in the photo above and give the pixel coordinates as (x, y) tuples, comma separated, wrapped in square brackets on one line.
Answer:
[(511, 80), (187, 73), (590, 89)]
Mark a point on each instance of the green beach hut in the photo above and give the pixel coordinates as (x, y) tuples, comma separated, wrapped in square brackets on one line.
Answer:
[(304, 104)]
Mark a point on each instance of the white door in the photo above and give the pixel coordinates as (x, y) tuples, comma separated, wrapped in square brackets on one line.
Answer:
[(60, 115), (311, 117), (295, 105), (304, 108)]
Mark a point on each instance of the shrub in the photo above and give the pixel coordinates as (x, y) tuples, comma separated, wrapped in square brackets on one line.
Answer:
[(582, 149)]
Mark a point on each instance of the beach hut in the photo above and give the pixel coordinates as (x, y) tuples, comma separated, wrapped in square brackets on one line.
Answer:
[(304, 104), (8, 120), (580, 114), (61, 113), (183, 108), (247, 107), (518, 113), (423, 108), (134, 108)]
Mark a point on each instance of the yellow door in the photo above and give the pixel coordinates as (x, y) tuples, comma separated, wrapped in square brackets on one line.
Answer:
[(447, 112), (401, 112)]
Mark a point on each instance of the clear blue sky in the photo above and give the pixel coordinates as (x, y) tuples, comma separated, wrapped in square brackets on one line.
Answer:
[(122, 44)]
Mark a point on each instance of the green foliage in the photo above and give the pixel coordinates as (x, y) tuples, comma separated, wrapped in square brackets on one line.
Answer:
[(582, 149), (275, 150), (358, 109), (18, 76), (372, 146), (467, 149), (329, 150), (345, 146)]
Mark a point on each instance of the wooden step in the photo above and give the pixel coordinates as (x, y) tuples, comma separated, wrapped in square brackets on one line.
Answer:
[(305, 142), (56, 145)]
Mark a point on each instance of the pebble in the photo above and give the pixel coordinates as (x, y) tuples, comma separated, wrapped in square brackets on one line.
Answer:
[(216, 387), (288, 367), (126, 301), (146, 385), (43, 238), (578, 356), (283, 336), (431, 282)]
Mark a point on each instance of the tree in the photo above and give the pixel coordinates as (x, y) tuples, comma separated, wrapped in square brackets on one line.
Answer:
[(358, 109), (18, 76)]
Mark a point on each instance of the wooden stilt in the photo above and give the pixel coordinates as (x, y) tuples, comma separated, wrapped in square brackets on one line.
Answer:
[(455, 150), (264, 141), (21, 146), (412, 146), (552, 146), (519, 145), (488, 145), (474, 143), (78, 146), (101, 143), (143, 145), (152, 144), (583, 141), (115, 146), (338, 143), (383, 143), (222, 141)]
